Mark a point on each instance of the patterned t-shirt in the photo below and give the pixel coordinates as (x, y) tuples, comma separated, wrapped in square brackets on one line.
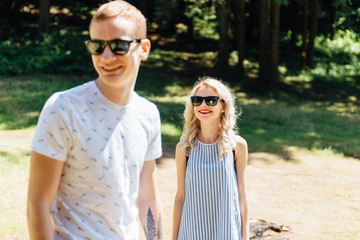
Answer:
[(104, 146)]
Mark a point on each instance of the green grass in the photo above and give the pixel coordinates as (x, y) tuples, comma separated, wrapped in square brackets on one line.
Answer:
[(273, 121), (14, 170), (269, 124), (22, 97), (274, 126)]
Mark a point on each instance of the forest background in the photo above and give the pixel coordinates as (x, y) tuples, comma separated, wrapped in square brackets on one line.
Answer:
[(294, 66)]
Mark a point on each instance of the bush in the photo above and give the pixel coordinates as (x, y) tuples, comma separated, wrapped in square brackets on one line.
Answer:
[(61, 52)]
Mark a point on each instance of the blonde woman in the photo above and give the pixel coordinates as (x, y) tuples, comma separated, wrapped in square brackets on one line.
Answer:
[(211, 199)]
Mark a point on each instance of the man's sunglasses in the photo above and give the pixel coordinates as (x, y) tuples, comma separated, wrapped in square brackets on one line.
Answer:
[(117, 46), (210, 100)]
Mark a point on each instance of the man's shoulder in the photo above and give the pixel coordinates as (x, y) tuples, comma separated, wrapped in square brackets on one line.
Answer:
[(80, 90), (62, 98), (143, 104)]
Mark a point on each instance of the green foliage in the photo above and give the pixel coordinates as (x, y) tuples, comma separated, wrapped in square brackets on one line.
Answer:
[(204, 18), (336, 72), (283, 2), (346, 41), (164, 11), (339, 3), (61, 52), (348, 15), (342, 54), (334, 78)]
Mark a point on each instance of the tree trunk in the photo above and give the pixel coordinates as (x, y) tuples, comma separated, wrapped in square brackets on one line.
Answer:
[(264, 41), (254, 20), (239, 12), (332, 19), (10, 9), (147, 8), (5, 7), (44, 17), (296, 23), (224, 42), (275, 42), (313, 31), (304, 32)]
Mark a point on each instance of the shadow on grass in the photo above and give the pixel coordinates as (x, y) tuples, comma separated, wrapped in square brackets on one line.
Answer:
[(23, 97), (324, 88), (282, 120), (273, 127), (172, 121), (155, 82)]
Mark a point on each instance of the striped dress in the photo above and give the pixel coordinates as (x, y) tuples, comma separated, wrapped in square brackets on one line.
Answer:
[(211, 209)]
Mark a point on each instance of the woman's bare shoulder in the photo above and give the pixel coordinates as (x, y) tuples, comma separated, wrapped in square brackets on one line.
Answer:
[(240, 142), (180, 148)]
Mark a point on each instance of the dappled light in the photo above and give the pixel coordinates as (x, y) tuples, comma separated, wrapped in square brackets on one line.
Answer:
[(273, 127), (295, 75)]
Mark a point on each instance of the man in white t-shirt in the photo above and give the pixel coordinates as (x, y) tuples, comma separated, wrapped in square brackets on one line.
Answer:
[(92, 169)]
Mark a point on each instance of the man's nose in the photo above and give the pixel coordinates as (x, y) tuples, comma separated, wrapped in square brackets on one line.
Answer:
[(108, 54)]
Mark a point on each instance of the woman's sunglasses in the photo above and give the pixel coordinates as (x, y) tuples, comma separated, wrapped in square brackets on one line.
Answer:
[(117, 46), (210, 100)]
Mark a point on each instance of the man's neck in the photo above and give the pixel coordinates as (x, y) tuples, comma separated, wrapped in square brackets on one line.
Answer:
[(117, 95)]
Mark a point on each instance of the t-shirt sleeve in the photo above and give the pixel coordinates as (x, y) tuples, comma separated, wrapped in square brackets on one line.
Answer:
[(155, 149), (52, 136)]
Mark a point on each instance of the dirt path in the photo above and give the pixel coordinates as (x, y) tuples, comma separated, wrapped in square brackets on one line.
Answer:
[(318, 197)]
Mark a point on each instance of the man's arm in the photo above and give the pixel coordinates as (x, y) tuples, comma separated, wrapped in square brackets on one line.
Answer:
[(45, 173), (148, 202), (180, 159)]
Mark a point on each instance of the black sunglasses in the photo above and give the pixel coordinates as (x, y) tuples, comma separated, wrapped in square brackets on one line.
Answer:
[(210, 100), (117, 46)]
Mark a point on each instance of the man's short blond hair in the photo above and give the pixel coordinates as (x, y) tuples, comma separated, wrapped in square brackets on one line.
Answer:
[(125, 10)]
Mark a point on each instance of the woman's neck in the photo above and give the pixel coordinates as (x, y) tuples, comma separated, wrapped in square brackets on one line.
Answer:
[(208, 133)]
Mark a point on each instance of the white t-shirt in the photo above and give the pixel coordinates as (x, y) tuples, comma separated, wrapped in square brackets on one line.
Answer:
[(104, 146)]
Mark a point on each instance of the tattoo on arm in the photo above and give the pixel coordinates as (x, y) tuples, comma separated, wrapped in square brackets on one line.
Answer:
[(150, 226), (150, 229)]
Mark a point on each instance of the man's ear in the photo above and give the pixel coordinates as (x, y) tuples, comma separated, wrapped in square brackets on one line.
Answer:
[(145, 48)]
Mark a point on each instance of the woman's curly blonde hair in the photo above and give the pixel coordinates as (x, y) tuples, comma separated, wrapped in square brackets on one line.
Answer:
[(227, 132)]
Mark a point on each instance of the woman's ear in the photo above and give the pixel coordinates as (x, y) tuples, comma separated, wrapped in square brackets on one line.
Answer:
[(145, 48)]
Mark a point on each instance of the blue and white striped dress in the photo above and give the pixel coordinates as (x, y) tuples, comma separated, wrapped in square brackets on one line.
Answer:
[(211, 209)]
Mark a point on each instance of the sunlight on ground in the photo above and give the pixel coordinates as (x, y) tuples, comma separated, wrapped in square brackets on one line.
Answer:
[(14, 176), (313, 183)]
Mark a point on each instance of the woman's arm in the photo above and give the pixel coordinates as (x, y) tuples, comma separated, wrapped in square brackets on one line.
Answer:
[(180, 159), (241, 158)]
